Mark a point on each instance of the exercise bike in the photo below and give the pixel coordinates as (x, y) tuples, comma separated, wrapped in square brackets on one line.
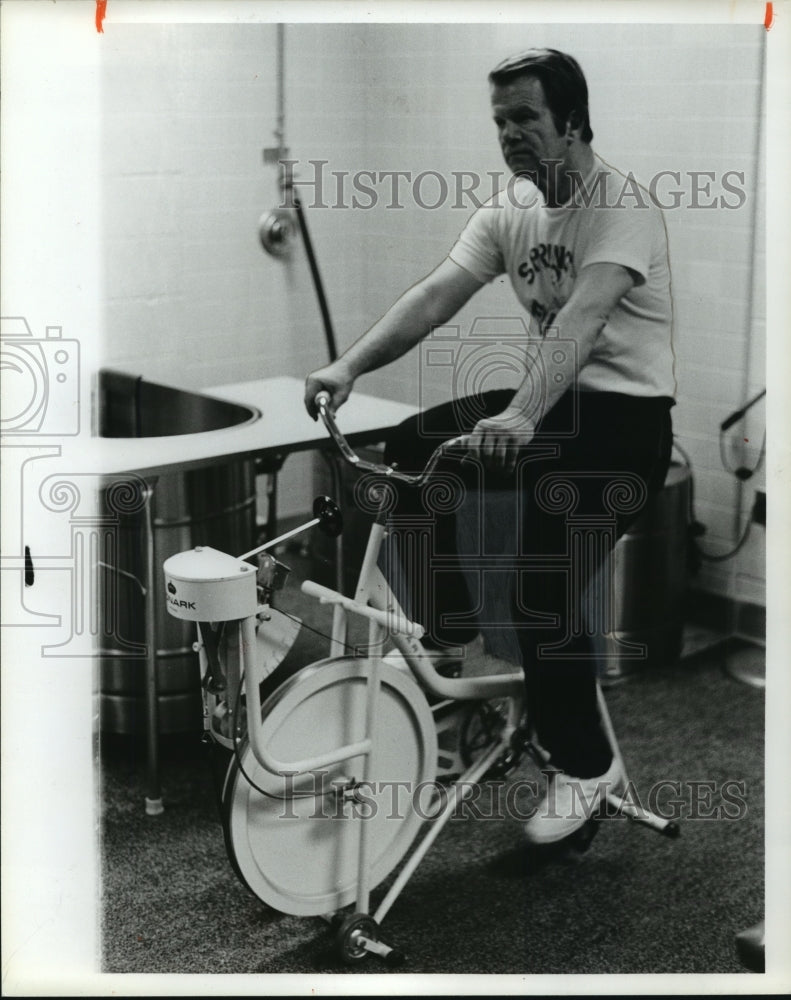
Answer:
[(348, 769)]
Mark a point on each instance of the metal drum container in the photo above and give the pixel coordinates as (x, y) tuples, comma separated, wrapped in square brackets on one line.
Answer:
[(213, 506), (649, 582)]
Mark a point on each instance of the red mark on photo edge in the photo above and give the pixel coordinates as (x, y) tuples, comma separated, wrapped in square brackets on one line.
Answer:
[(101, 10), (769, 17)]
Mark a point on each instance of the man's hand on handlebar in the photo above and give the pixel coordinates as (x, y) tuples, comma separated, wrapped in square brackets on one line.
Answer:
[(333, 379), (496, 441)]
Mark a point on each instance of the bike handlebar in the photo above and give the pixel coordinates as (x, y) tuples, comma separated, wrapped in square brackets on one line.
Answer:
[(322, 402)]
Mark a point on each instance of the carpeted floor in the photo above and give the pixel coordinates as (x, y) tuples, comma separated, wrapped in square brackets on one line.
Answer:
[(635, 902)]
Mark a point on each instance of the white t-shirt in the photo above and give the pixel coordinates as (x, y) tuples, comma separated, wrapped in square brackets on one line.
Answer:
[(608, 219)]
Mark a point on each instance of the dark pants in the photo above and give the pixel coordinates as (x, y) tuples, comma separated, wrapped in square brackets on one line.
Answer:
[(595, 460)]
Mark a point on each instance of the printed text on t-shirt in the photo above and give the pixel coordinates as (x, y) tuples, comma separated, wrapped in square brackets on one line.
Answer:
[(546, 256)]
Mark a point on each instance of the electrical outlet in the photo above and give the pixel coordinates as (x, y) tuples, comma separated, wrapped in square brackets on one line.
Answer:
[(759, 508)]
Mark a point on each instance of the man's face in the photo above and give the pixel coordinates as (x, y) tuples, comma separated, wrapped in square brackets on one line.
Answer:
[(525, 127)]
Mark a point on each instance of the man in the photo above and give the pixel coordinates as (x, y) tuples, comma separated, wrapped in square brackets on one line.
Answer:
[(587, 259)]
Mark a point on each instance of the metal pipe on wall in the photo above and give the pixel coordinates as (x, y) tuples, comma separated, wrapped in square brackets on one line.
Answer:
[(276, 228), (276, 232)]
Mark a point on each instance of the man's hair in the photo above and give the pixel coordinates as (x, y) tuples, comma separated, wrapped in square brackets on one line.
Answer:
[(563, 81)]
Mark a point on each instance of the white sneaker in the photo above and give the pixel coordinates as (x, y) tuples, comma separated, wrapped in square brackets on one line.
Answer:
[(569, 803)]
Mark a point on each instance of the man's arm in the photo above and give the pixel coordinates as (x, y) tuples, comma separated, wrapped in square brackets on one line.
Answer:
[(429, 303), (598, 289)]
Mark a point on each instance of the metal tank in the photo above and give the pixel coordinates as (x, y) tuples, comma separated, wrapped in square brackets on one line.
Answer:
[(649, 582), (213, 506)]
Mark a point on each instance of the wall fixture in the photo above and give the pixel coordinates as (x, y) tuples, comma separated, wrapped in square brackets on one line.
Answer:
[(276, 231)]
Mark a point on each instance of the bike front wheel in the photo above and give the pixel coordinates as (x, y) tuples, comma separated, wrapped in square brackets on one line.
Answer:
[(295, 840)]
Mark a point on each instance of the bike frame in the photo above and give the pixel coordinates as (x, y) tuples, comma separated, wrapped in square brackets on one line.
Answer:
[(375, 602), (251, 646)]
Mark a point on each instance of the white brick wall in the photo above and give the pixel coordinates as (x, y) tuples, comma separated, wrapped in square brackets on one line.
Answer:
[(190, 296)]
